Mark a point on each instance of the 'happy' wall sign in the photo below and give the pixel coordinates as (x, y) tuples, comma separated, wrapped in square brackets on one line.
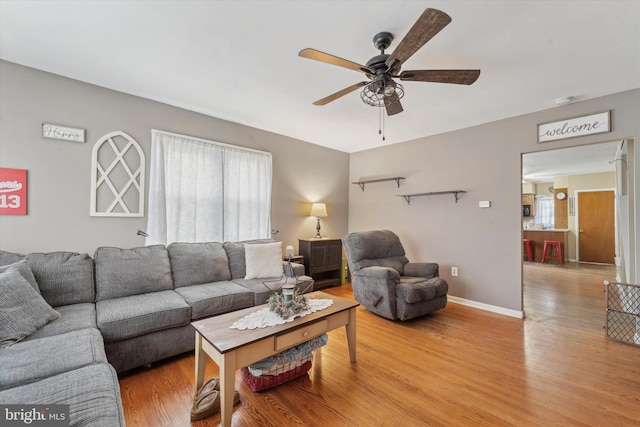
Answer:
[(49, 130), (570, 128)]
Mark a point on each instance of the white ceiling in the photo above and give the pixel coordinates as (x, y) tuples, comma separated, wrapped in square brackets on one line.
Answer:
[(238, 60), (544, 166)]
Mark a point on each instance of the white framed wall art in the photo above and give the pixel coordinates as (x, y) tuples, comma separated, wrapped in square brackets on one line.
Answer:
[(117, 176)]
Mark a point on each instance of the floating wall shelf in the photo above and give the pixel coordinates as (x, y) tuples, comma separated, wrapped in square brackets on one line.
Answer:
[(408, 197), (397, 179)]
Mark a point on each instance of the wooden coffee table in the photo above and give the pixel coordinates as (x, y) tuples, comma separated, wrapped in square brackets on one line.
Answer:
[(233, 349)]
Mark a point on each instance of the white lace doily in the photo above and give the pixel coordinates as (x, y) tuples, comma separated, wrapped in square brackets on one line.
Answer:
[(264, 317)]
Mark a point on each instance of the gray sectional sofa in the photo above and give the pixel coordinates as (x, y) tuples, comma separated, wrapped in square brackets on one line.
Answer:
[(122, 309)]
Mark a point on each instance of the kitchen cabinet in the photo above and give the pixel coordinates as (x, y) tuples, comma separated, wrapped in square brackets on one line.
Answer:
[(530, 200), (537, 238)]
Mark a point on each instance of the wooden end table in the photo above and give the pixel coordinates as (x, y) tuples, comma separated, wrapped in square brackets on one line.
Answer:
[(232, 349)]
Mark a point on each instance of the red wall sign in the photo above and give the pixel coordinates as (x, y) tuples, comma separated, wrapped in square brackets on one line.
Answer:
[(13, 191)]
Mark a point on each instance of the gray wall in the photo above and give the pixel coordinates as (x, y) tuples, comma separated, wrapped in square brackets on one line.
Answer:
[(59, 171), (485, 161)]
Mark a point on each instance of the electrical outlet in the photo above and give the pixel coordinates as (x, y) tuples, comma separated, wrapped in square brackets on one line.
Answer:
[(454, 271)]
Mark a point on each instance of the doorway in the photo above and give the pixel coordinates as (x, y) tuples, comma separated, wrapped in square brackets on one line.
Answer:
[(585, 172), (603, 206)]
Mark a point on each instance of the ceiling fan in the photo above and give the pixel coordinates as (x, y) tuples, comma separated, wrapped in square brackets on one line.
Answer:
[(382, 90)]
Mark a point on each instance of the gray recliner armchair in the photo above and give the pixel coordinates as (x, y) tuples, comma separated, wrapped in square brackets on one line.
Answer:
[(386, 283)]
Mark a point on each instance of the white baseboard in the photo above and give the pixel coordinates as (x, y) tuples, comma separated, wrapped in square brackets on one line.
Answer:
[(487, 307)]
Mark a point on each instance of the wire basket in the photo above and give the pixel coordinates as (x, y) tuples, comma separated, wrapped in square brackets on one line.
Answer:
[(265, 382), (282, 367), (623, 312)]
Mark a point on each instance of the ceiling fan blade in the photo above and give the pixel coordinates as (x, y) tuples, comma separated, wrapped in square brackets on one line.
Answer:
[(392, 105), (460, 77), (333, 60), (339, 94), (430, 23)]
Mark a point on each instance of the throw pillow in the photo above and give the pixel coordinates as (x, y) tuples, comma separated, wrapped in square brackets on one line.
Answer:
[(263, 261), (22, 310), (25, 271)]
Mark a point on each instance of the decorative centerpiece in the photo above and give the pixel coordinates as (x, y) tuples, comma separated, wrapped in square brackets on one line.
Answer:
[(288, 303)]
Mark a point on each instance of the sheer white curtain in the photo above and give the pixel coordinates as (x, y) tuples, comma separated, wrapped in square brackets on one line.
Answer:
[(622, 214), (629, 296), (544, 211), (203, 191)]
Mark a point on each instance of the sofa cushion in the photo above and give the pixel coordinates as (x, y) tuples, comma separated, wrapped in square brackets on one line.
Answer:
[(421, 269), (92, 393), (235, 253), (25, 271), (262, 289), (63, 277), (412, 279), (72, 318), (413, 291), (292, 269), (135, 315), (197, 263), (22, 310), (7, 258), (148, 348), (263, 260), (34, 360), (210, 299), (125, 272), (397, 263)]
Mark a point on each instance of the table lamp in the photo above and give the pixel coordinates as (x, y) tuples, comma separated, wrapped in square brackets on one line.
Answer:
[(319, 210)]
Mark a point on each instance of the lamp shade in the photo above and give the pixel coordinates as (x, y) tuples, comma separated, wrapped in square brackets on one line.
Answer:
[(319, 210)]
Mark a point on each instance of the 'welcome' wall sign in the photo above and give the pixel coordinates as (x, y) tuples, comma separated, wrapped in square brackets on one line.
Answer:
[(570, 128)]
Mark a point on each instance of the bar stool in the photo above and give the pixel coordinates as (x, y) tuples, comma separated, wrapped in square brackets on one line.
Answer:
[(548, 244), (528, 250)]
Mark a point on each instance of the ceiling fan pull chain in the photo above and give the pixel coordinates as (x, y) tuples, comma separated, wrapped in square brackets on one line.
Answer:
[(381, 123)]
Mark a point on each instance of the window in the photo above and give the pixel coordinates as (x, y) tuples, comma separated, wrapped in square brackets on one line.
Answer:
[(204, 191), (544, 211)]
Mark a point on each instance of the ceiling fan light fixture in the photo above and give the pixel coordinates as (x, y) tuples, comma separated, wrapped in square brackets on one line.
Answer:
[(378, 90), (389, 90)]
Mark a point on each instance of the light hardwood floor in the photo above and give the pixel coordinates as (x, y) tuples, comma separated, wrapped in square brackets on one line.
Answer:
[(457, 367)]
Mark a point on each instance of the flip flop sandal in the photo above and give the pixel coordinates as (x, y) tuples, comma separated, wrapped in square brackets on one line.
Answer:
[(209, 404), (210, 385)]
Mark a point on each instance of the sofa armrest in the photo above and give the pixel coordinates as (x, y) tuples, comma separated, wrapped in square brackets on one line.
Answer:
[(421, 269), (376, 272), (375, 289), (295, 269)]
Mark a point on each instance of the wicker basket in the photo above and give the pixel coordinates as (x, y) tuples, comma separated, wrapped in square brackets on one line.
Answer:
[(282, 367), (264, 382)]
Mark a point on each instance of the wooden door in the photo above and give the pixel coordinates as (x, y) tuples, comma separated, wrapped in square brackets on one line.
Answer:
[(596, 242)]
